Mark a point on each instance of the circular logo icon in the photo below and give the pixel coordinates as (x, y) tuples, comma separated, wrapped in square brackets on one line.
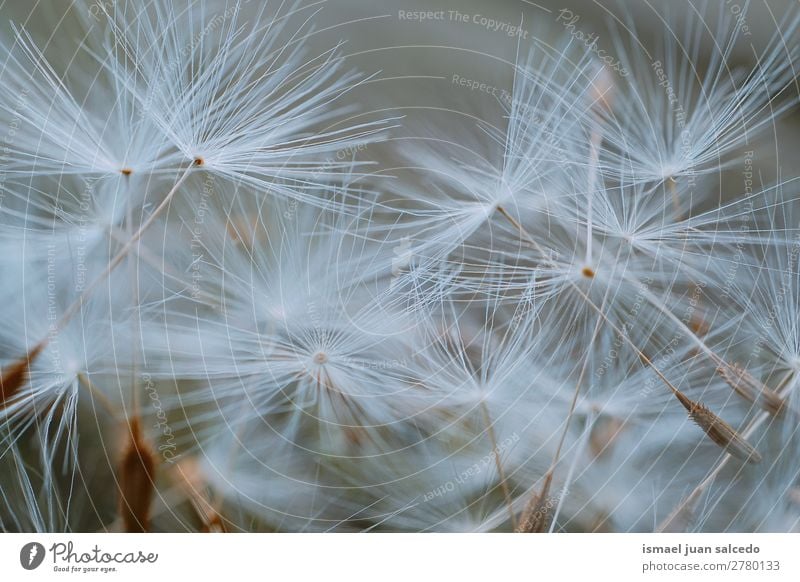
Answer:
[(31, 555)]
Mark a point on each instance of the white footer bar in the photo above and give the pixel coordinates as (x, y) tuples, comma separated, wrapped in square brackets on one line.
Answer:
[(407, 557)]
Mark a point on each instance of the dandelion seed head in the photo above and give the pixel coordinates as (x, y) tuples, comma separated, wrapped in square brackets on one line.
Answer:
[(575, 294)]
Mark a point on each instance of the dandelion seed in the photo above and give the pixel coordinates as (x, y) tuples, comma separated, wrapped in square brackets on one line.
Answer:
[(749, 388), (719, 431), (538, 514), (672, 123)]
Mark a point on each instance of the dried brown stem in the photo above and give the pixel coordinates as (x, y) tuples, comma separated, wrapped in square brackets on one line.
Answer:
[(15, 376), (137, 485), (487, 419)]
